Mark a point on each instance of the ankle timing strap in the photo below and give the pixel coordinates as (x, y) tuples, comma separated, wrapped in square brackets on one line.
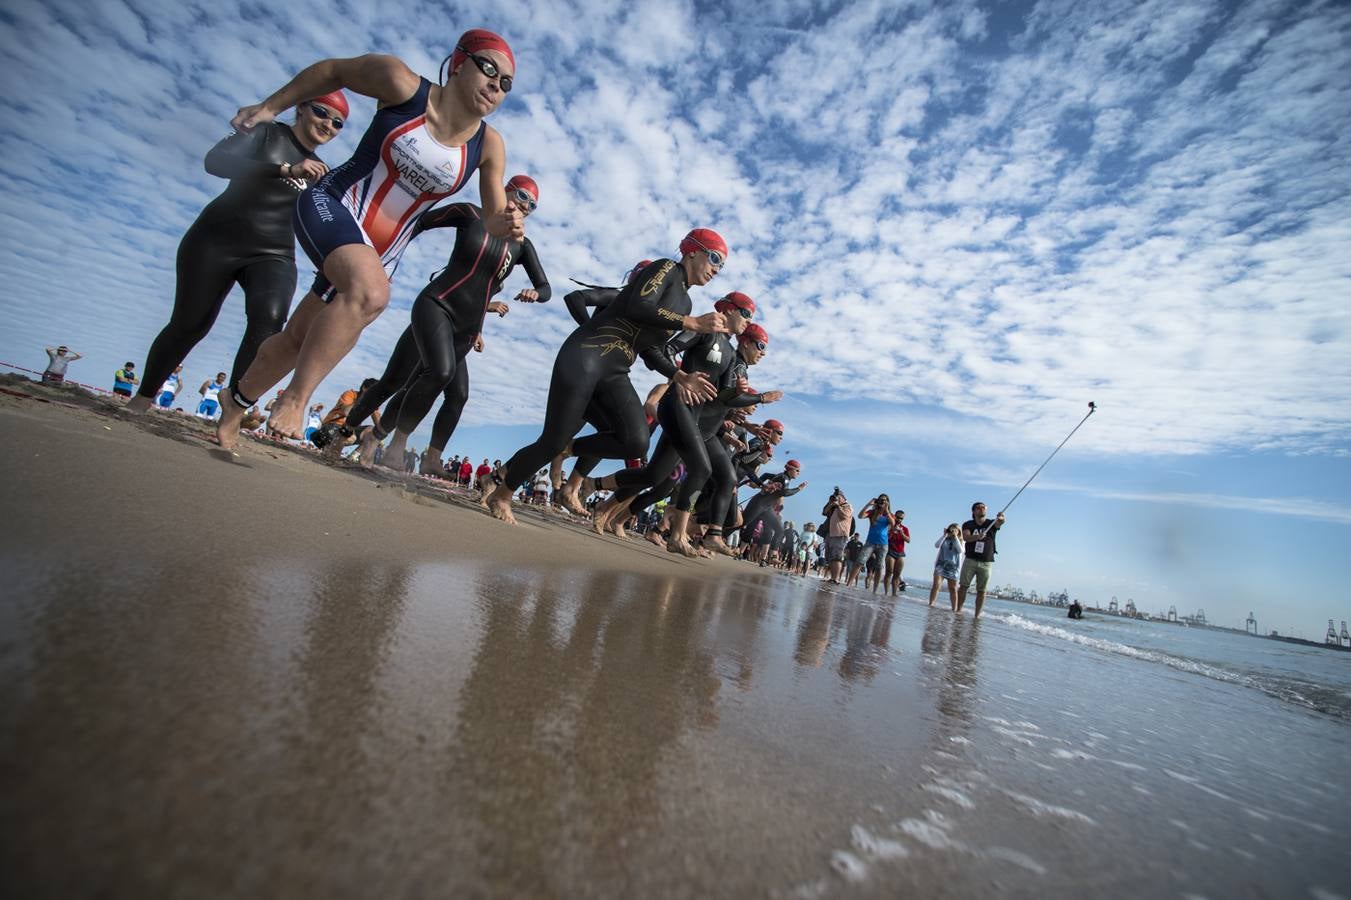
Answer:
[(239, 399)]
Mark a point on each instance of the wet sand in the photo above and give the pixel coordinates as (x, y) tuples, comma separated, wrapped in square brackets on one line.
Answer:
[(258, 676)]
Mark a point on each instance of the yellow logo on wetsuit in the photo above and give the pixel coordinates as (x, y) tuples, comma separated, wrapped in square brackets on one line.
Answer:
[(654, 283)]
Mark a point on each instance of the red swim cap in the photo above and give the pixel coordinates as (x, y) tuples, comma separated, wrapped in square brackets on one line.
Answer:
[(753, 332), (703, 239), (793, 464), (774, 425), (735, 300), (476, 40), (525, 183), (636, 269), (334, 100)]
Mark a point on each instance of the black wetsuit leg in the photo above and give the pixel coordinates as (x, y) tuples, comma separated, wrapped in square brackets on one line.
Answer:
[(206, 272), (435, 336), (403, 362), (719, 472), (634, 482), (595, 417), (454, 397), (654, 495), (628, 436), (576, 375), (680, 438), (269, 285)]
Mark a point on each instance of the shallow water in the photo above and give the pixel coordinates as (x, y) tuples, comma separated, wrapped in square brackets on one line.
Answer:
[(359, 730)]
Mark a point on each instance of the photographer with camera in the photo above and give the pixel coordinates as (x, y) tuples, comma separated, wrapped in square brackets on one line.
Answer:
[(878, 513), (838, 526)]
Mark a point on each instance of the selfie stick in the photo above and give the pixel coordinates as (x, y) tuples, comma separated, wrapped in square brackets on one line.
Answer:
[(1092, 408)]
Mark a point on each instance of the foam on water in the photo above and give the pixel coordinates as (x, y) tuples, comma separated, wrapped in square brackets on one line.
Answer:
[(1041, 808), (1321, 698)]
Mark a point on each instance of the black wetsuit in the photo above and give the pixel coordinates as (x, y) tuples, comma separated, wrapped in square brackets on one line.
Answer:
[(403, 363), (689, 433), (760, 508), (593, 365), (446, 318), (577, 303), (242, 237)]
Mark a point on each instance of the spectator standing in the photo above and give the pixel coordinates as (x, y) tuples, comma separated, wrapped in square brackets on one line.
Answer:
[(58, 359), (125, 380), (853, 558), (410, 459), (209, 407), (979, 533), (466, 473), (897, 538), (948, 563), (314, 420), (169, 390), (878, 514), (483, 475), (839, 525)]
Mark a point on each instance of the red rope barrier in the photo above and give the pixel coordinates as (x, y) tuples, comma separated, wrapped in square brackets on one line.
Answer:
[(66, 381)]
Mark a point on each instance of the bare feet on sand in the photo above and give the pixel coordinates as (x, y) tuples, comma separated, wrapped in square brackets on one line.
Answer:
[(616, 528), (653, 536), (601, 518), (568, 499), (556, 470), (499, 504), (715, 543), (430, 464), (366, 452), (680, 544), (392, 458), (137, 404), (287, 419), (231, 416)]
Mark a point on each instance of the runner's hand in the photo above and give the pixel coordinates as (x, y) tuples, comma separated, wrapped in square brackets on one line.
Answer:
[(508, 224), (709, 323), (478, 343), (528, 295), (499, 307), (250, 117), (308, 169), (771, 396), (694, 387)]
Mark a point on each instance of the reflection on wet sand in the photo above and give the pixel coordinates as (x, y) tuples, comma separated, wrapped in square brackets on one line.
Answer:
[(565, 730), (949, 644), (96, 747)]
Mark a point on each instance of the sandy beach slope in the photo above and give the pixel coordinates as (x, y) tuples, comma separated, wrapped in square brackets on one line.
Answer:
[(258, 676)]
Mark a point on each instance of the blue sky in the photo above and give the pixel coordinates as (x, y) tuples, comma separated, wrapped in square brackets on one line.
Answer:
[(962, 222)]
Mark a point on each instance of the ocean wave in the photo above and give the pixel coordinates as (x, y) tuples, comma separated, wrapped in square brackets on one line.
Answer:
[(1319, 698)]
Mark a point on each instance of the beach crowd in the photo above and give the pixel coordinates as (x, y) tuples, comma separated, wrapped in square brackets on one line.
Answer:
[(693, 457)]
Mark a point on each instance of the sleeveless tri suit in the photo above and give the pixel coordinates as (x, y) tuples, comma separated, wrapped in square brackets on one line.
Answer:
[(375, 198)]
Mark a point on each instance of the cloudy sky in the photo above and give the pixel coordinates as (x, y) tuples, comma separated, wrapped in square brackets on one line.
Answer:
[(962, 221)]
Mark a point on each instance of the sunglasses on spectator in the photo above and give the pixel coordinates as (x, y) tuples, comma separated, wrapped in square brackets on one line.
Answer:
[(489, 69), (323, 114), (523, 199)]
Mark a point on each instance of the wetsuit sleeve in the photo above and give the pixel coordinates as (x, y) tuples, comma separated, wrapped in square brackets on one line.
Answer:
[(456, 215), (238, 156), (739, 401), (540, 281), (656, 298), (788, 492), (578, 301), (657, 358)]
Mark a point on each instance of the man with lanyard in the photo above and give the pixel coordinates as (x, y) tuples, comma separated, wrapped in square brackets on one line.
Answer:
[(979, 533)]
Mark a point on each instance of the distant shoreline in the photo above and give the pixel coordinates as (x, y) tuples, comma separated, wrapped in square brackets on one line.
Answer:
[(1268, 637)]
